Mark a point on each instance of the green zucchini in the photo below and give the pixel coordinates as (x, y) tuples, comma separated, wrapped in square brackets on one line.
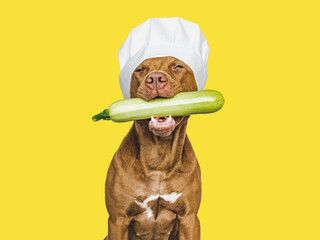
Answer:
[(184, 103)]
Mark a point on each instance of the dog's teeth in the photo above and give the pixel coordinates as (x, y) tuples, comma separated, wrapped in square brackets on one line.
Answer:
[(152, 119), (169, 119)]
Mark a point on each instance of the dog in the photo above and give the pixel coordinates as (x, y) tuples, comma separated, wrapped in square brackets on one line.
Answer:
[(153, 185)]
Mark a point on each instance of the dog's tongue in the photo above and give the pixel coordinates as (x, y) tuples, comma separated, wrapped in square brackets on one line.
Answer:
[(161, 119), (161, 122), (162, 125)]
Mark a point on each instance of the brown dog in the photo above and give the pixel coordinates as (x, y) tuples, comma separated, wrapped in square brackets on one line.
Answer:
[(153, 186)]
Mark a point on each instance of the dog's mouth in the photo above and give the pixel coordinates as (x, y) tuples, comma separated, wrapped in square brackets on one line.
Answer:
[(162, 126)]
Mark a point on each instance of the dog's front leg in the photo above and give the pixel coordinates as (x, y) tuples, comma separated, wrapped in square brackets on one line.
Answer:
[(189, 227), (118, 228)]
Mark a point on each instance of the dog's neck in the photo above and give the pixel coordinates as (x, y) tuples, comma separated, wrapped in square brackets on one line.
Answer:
[(160, 153)]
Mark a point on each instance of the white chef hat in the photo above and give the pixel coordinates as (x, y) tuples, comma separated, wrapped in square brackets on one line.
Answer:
[(160, 37)]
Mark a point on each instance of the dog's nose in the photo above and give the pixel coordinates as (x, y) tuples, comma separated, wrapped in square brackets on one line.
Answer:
[(156, 80)]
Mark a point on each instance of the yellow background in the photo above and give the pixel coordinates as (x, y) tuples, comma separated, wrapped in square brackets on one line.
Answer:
[(259, 155)]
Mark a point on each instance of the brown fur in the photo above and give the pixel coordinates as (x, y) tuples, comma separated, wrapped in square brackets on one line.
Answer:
[(149, 163)]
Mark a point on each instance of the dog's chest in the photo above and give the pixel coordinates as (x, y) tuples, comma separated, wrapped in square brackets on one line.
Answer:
[(155, 216), (152, 206), (159, 196)]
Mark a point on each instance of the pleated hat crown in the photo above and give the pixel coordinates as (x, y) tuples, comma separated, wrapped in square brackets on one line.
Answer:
[(160, 37)]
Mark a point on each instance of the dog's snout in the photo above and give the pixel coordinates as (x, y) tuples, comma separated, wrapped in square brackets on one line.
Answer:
[(156, 79), (156, 84)]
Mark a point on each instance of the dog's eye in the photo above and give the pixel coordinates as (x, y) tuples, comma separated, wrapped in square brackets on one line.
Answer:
[(139, 70), (178, 66)]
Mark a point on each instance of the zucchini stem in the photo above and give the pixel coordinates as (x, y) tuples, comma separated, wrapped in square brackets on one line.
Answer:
[(104, 115)]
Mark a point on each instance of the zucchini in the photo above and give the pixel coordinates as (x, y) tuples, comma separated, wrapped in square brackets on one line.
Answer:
[(184, 103)]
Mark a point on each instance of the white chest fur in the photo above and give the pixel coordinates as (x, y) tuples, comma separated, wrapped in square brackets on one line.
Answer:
[(172, 197)]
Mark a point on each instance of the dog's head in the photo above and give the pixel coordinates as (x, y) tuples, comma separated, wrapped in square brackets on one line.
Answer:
[(162, 77)]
